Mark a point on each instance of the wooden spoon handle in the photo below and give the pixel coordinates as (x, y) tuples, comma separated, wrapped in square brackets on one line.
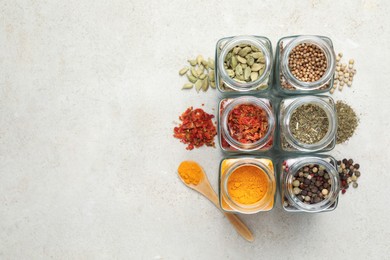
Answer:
[(240, 227)]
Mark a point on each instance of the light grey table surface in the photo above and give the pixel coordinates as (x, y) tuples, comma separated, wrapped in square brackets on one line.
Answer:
[(89, 96)]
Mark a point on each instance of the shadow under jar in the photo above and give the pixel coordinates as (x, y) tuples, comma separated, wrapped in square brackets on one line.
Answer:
[(307, 124), (246, 124), (305, 65), (243, 64), (247, 185), (309, 184)]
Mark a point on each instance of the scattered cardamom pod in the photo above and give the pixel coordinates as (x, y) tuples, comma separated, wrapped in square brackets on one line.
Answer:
[(199, 59), (205, 85), (187, 86), (212, 84), (201, 73), (191, 78), (198, 84), (194, 72), (192, 62), (183, 71)]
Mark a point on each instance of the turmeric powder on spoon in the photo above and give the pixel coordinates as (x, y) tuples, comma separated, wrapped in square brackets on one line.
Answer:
[(190, 172)]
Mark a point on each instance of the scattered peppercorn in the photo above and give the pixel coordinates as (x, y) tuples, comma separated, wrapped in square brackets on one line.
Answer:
[(196, 129), (348, 173)]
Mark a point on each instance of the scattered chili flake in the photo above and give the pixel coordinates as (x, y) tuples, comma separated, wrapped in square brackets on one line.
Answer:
[(196, 128), (248, 123)]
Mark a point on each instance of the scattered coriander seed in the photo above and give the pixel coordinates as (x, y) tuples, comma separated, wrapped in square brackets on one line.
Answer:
[(344, 74)]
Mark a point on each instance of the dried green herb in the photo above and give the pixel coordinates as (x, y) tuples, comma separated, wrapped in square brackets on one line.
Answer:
[(309, 123), (347, 121)]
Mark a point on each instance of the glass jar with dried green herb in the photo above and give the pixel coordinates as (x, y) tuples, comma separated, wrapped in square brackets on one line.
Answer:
[(304, 65), (243, 64), (309, 184), (307, 124)]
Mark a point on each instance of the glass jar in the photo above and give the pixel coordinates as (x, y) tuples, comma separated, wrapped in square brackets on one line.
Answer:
[(228, 166), (289, 143), (228, 85), (227, 142), (286, 82), (326, 172)]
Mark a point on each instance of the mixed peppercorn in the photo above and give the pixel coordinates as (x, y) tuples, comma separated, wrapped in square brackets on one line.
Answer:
[(349, 173)]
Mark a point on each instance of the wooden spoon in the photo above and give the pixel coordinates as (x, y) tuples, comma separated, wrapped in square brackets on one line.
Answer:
[(204, 188)]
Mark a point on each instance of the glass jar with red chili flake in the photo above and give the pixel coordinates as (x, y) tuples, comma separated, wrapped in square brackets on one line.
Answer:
[(246, 124)]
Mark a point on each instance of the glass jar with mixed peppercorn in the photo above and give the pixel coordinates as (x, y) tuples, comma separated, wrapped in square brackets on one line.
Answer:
[(243, 64), (246, 124), (309, 184), (304, 64), (307, 124)]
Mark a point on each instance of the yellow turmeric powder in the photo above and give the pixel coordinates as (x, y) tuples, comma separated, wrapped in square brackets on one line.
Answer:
[(190, 172), (247, 184)]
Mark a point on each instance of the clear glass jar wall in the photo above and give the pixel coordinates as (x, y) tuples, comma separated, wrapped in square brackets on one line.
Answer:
[(228, 166), (225, 83), (228, 142), (323, 180), (286, 82), (288, 142)]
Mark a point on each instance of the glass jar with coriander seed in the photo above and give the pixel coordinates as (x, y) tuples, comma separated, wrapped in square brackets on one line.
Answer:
[(243, 64), (247, 184), (304, 65), (309, 184), (246, 124), (307, 124)]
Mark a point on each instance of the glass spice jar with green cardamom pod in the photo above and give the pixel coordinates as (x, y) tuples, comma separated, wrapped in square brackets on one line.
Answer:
[(304, 65), (309, 183), (243, 65), (307, 124)]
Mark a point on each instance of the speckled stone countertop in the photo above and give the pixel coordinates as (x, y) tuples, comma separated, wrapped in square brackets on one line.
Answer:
[(89, 96)]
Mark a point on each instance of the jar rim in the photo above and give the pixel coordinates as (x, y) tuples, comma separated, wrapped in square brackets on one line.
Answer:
[(333, 191), (328, 108), (259, 205), (247, 86), (329, 55), (225, 128)]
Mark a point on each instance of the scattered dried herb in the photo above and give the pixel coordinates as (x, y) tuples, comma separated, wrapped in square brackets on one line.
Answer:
[(309, 123), (248, 123), (196, 129), (347, 121)]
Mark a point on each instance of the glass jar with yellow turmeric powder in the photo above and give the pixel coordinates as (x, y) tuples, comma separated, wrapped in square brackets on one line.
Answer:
[(247, 184), (309, 184)]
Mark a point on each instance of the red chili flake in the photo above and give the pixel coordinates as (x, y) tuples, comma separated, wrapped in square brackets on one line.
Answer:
[(248, 123), (196, 128)]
